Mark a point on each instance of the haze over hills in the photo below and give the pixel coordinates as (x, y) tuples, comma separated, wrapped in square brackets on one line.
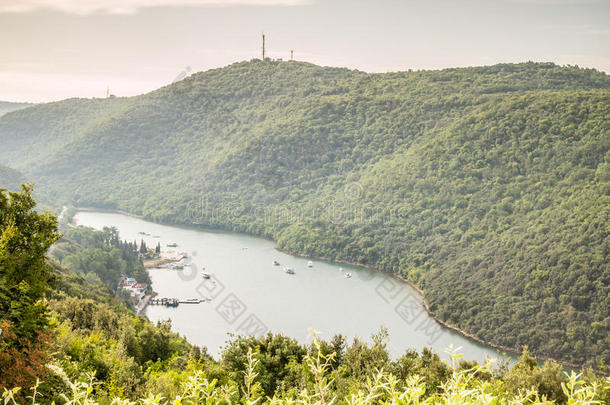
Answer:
[(7, 107), (10, 179), (488, 187)]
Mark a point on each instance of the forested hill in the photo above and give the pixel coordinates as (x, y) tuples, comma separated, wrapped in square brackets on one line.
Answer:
[(6, 107), (10, 179), (489, 187)]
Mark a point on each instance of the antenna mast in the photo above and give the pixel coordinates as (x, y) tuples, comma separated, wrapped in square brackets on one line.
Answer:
[(263, 47)]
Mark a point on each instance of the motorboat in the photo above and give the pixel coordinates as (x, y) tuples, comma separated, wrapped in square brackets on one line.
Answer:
[(310, 264), (276, 263), (288, 270), (205, 275), (348, 275), (172, 244)]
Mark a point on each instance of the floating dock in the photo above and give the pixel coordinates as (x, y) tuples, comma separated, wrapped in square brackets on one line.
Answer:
[(174, 302)]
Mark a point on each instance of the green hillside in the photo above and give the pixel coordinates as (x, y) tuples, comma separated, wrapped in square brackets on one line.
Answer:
[(10, 179), (488, 187), (7, 107)]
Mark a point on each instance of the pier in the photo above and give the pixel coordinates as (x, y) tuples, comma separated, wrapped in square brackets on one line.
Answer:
[(174, 302)]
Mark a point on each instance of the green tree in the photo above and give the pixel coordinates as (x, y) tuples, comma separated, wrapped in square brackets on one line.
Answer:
[(25, 236)]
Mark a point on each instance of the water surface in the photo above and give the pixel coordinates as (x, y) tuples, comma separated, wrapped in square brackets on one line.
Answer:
[(249, 295)]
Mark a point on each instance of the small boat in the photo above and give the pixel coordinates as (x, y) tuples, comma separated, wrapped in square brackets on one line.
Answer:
[(173, 302), (310, 264), (276, 263), (205, 275), (156, 236), (191, 301), (172, 244), (288, 270), (340, 268), (141, 233), (348, 275), (177, 266)]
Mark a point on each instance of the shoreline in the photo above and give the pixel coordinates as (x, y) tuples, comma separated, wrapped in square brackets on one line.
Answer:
[(433, 315), (414, 286)]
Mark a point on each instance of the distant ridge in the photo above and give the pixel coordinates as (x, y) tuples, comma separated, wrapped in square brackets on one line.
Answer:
[(7, 107)]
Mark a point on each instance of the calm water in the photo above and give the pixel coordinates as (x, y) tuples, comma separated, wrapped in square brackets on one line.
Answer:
[(249, 295)]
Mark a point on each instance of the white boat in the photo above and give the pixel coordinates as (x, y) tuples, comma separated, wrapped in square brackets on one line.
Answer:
[(340, 268), (348, 275), (310, 264), (172, 244), (288, 270), (205, 275)]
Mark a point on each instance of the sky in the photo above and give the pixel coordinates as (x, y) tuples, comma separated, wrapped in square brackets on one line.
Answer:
[(56, 49)]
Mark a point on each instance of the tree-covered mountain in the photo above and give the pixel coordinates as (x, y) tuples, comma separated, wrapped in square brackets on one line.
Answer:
[(7, 107), (10, 179), (488, 187)]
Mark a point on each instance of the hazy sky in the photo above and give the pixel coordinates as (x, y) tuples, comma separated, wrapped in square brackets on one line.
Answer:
[(55, 49)]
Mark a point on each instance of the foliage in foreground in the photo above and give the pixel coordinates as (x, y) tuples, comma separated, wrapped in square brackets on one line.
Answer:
[(25, 237), (464, 385)]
